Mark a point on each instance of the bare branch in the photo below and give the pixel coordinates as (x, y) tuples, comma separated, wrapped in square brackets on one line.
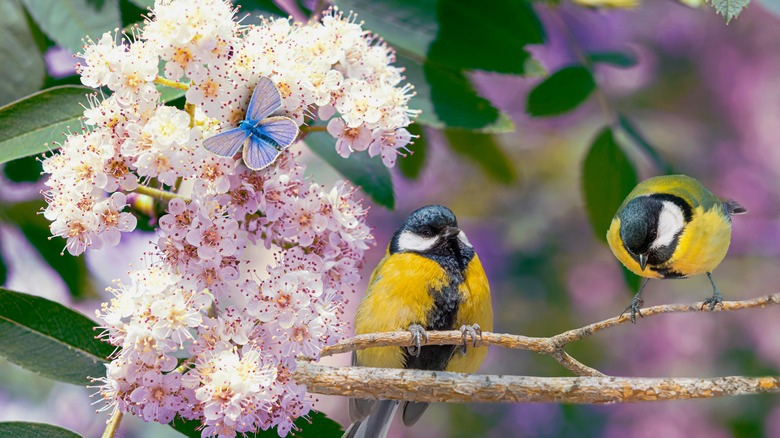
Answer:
[(438, 386), (552, 346)]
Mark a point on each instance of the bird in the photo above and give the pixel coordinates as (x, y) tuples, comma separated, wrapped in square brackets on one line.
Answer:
[(429, 279), (672, 227)]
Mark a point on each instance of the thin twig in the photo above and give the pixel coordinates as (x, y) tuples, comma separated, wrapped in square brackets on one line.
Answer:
[(438, 386), (157, 193), (552, 346)]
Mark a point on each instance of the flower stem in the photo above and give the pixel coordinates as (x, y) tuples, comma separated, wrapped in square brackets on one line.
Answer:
[(190, 108), (157, 193), (170, 83), (113, 424), (306, 129)]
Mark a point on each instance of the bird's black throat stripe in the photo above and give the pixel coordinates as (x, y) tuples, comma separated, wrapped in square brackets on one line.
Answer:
[(445, 308)]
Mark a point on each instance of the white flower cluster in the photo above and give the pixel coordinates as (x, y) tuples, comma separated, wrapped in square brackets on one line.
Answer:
[(199, 334)]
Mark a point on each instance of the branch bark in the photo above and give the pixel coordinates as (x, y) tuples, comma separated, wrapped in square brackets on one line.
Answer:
[(438, 386), (591, 387)]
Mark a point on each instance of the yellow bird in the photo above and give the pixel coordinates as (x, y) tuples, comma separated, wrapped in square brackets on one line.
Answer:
[(430, 279), (672, 227)]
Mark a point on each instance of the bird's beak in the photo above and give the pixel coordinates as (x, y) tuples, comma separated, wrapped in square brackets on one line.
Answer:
[(642, 261), (451, 232)]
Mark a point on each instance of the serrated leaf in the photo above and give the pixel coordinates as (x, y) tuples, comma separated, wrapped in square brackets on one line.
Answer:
[(366, 172), (607, 178), (632, 131), (35, 227), (22, 69), (20, 429), (48, 338), (729, 9), (485, 152), (563, 91), (411, 165), (623, 59), (29, 124), (69, 21), (317, 426)]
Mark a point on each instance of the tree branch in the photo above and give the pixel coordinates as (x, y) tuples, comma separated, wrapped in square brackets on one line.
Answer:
[(439, 386), (591, 387)]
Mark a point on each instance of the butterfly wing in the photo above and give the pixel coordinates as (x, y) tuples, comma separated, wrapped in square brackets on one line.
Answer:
[(265, 100), (280, 130), (227, 143), (259, 153)]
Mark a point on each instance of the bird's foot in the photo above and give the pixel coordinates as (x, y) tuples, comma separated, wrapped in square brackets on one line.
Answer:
[(472, 331), (713, 301), (418, 336), (635, 308)]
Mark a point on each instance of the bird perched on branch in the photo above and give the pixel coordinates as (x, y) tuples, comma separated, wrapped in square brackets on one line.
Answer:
[(672, 227), (430, 279)]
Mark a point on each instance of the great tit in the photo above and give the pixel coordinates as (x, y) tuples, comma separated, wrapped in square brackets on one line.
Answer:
[(429, 279), (672, 227)]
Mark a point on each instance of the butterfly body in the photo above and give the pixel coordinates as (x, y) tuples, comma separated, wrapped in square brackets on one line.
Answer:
[(262, 137)]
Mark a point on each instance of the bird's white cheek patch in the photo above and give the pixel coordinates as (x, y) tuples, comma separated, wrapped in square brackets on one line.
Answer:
[(463, 239), (670, 222), (409, 241)]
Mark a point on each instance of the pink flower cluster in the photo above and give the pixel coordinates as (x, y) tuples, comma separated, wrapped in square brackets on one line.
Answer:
[(200, 333)]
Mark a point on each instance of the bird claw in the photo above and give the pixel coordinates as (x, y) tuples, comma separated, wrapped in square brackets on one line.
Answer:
[(419, 335), (469, 331), (635, 308), (713, 301)]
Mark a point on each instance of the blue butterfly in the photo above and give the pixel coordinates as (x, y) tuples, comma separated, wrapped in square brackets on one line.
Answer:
[(263, 137)]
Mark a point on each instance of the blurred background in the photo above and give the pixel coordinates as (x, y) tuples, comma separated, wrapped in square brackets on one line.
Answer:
[(704, 94)]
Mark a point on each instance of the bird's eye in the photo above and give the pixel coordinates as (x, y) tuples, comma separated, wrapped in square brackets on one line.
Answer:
[(427, 232)]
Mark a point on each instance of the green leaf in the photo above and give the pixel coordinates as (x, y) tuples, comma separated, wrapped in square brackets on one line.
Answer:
[(143, 4), (451, 34), (366, 172), (3, 270), (50, 339), (258, 7), (563, 91), (632, 280), (68, 21), (607, 178), (632, 131), (411, 166), (72, 270), (27, 169), (22, 68), (624, 59), (485, 152), (729, 9), (473, 110), (772, 6), (19, 429), (492, 39), (438, 42), (410, 26), (132, 11), (28, 125), (317, 426)]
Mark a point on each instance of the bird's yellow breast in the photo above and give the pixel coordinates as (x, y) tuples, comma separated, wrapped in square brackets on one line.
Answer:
[(401, 293), (701, 247)]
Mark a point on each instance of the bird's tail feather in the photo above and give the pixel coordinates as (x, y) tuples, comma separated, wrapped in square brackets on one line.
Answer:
[(377, 424)]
